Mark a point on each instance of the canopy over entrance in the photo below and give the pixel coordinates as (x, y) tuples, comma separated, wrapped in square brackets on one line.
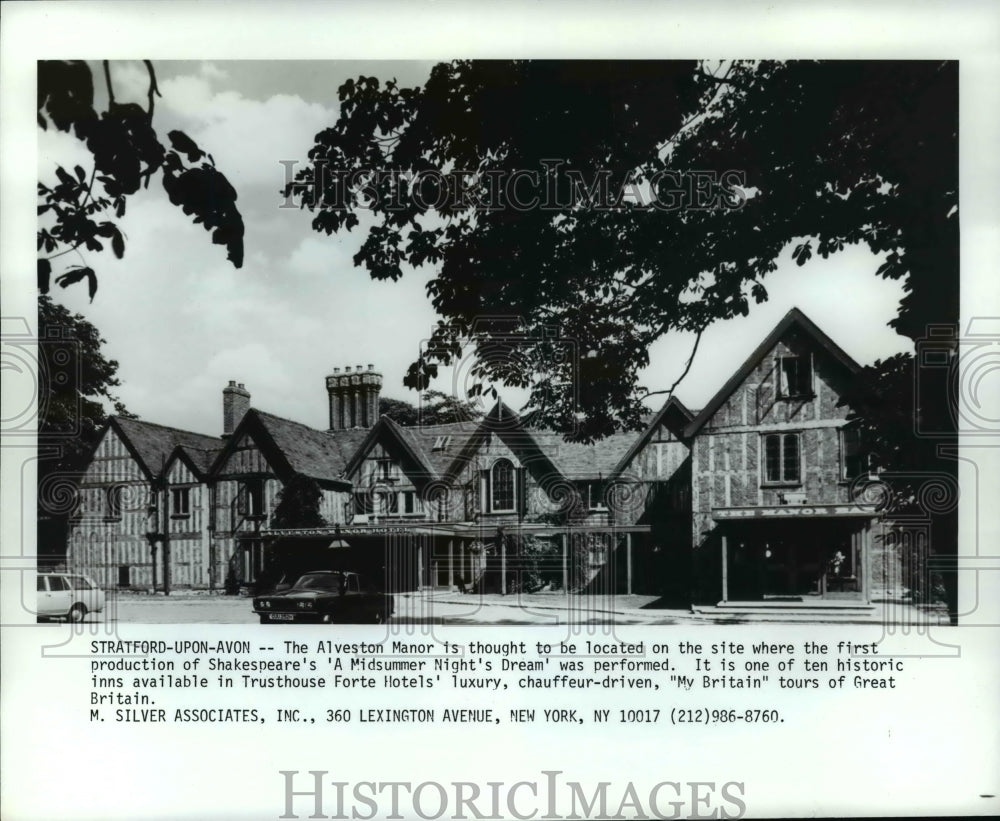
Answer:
[(453, 555)]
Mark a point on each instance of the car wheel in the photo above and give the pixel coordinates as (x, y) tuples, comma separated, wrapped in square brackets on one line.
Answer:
[(264, 620), (77, 613), (378, 617)]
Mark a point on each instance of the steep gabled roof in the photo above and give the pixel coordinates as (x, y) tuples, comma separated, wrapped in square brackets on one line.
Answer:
[(673, 413), (312, 452), (572, 460), (418, 442), (389, 427), (152, 444), (201, 458), (794, 318), (292, 447), (576, 460), (453, 435), (198, 460), (500, 420)]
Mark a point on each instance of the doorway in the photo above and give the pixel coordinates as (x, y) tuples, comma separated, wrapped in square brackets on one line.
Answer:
[(795, 561)]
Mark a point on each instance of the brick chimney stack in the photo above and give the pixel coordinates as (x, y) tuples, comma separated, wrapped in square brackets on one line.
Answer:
[(235, 403), (353, 397)]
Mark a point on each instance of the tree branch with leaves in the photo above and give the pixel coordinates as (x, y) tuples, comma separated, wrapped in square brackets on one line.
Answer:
[(828, 154), (80, 210)]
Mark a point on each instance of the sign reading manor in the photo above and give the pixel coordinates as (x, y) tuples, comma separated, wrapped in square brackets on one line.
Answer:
[(793, 511)]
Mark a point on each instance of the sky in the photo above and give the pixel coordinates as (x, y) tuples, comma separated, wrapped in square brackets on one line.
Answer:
[(182, 322)]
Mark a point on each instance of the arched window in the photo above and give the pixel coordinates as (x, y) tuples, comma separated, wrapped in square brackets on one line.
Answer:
[(502, 486)]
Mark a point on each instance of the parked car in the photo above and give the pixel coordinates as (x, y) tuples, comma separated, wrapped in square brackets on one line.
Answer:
[(68, 595), (325, 596)]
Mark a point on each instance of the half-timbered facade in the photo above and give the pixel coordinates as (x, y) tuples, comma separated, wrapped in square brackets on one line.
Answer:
[(123, 516), (747, 500), (773, 518), (261, 454)]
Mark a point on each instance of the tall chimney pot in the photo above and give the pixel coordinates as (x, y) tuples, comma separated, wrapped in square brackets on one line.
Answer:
[(235, 404), (353, 403)]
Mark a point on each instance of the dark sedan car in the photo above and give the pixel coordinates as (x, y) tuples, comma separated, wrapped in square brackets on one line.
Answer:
[(323, 597)]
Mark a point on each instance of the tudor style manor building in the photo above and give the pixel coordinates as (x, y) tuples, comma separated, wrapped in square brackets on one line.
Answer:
[(748, 500)]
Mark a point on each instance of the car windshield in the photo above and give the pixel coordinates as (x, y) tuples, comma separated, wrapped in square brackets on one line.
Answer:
[(319, 581)]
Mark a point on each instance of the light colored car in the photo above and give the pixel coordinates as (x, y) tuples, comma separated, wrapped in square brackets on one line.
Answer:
[(68, 595)]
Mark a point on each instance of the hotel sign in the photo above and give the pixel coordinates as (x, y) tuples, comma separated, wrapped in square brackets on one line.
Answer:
[(373, 530), (792, 511)]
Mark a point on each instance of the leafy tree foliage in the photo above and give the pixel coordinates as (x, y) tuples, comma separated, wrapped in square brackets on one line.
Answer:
[(76, 383), (619, 249), (891, 403), (882, 401), (436, 408), (81, 208), (298, 504)]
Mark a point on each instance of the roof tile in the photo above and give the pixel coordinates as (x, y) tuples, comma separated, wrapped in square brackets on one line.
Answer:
[(154, 443)]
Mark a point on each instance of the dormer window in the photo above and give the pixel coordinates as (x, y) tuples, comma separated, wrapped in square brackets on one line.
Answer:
[(441, 443), (795, 378)]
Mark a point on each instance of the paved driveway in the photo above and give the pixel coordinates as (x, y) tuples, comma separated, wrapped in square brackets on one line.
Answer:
[(410, 609)]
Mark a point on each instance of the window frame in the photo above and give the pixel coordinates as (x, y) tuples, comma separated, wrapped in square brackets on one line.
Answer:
[(409, 506), (783, 480), (387, 503), (385, 470), (810, 389), (250, 498), (600, 504), (177, 510), (862, 468), (363, 503), (492, 489), (113, 503)]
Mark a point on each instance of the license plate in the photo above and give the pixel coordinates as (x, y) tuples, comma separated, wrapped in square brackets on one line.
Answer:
[(281, 616)]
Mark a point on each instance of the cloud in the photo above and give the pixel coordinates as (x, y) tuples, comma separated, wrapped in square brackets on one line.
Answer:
[(60, 148), (247, 138), (212, 72)]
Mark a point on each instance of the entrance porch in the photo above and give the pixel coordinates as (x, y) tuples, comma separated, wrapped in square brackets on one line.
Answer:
[(795, 557), (457, 556)]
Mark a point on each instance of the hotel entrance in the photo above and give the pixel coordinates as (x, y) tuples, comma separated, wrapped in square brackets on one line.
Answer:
[(795, 555)]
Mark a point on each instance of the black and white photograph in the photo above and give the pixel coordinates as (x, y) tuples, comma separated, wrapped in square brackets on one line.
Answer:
[(588, 395), (804, 484)]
